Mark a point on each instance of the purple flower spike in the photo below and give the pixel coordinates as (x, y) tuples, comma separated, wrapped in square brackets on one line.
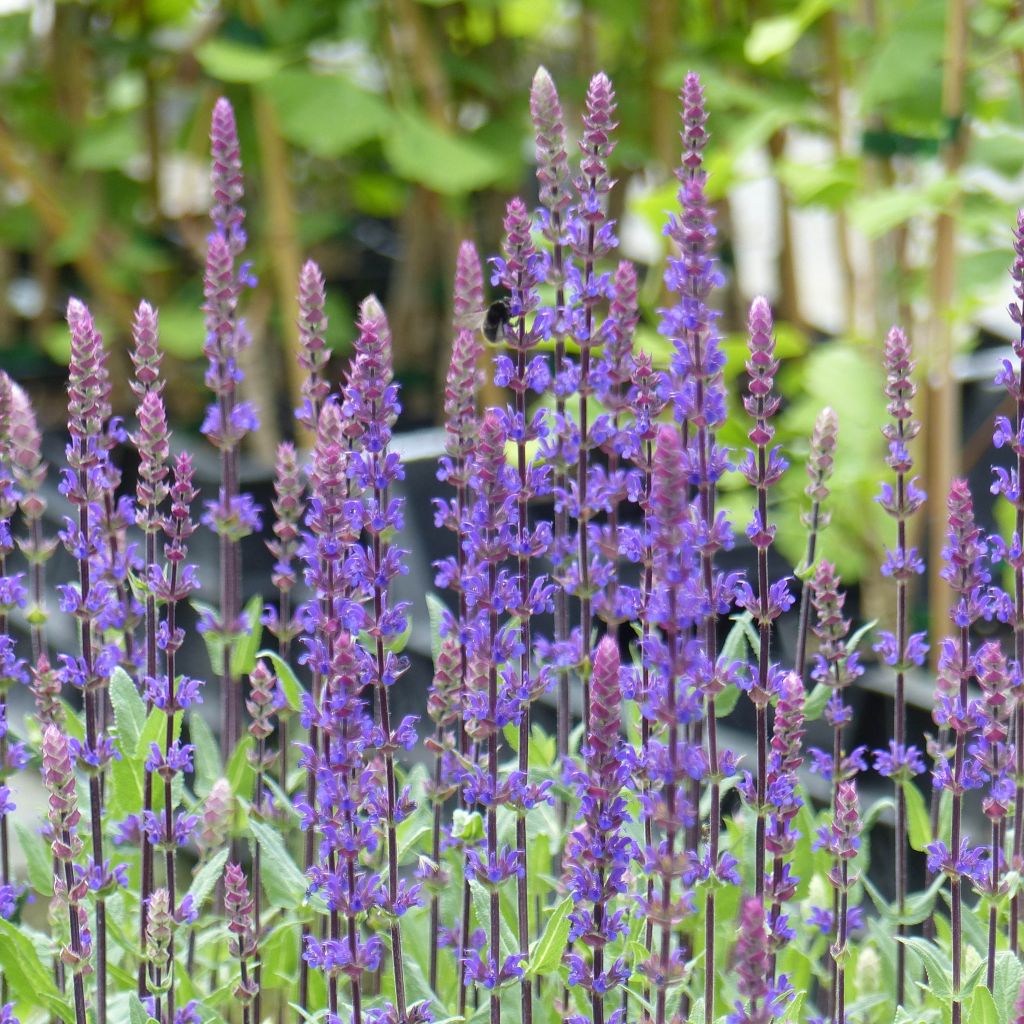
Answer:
[(551, 150), (152, 442), (752, 962), (694, 133), (146, 354), (313, 352), (226, 176), (238, 906)]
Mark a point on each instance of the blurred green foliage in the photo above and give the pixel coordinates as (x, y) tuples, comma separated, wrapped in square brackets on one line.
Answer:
[(378, 133)]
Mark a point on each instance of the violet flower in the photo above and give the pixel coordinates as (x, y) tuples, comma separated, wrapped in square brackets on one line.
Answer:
[(698, 399), (370, 408), (763, 999), (992, 753), (69, 884), (598, 851), (314, 354), (29, 476), (519, 272), (446, 704), (613, 432), (86, 485), (491, 589), (841, 838), (345, 812), (900, 650), (762, 466), (591, 235), (1008, 484), (784, 802), (242, 944), (232, 516), (820, 462), (965, 570), (671, 762), (553, 179)]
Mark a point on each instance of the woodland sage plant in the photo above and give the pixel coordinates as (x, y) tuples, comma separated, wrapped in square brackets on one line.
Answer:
[(330, 861)]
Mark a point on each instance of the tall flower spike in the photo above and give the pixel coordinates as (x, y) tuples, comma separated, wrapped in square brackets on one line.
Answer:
[(553, 177), (462, 424), (69, 885), (227, 212), (820, 462), (30, 474), (842, 839), (1008, 483), (901, 649), (762, 1000), (598, 851), (591, 237), (762, 467), (146, 355), (965, 556), (694, 133), (313, 351), (242, 944)]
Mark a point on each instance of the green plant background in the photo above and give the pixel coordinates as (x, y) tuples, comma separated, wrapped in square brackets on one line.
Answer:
[(378, 133)]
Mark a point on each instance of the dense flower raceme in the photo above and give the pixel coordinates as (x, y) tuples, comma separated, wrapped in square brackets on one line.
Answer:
[(622, 881)]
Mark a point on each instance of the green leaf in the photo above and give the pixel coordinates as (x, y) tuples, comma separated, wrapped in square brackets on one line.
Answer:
[(38, 859), (1009, 975), (935, 963), (436, 610), (300, 97), (137, 1012), (283, 882), (30, 980), (212, 638), (129, 709), (207, 758), (775, 36), (292, 689), (919, 827), (546, 954), (482, 908), (231, 61), (420, 151), (207, 877), (243, 653), (983, 1007), (241, 774), (814, 706), (854, 641)]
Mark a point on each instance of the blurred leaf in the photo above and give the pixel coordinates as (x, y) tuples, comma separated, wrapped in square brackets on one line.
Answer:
[(208, 765), (1009, 977), (283, 882), (31, 982), (207, 877), (38, 859), (304, 102), (436, 610), (240, 771), (983, 1007), (772, 37), (919, 827), (290, 686), (231, 61), (107, 144), (420, 151), (880, 212), (243, 654), (547, 953), (829, 185), (182, 331), (129, 709)]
